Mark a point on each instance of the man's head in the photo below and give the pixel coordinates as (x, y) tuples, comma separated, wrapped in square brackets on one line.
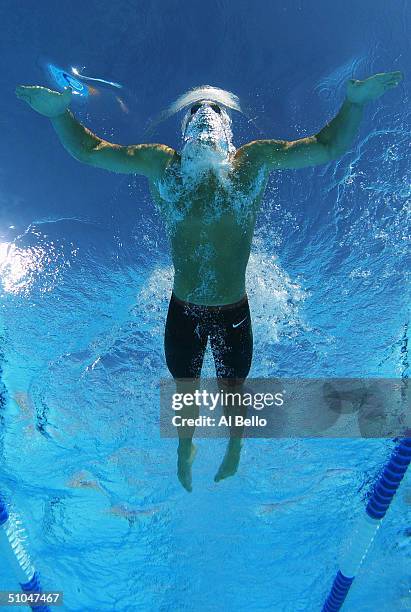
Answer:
[(207, 134), (206, 115), (206, 127)]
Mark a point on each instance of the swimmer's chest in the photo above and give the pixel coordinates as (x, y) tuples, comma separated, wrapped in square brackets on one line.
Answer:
[(209, 201)]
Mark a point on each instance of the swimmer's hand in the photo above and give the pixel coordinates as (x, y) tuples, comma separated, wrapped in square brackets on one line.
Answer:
[(361, 92), (45, 101)]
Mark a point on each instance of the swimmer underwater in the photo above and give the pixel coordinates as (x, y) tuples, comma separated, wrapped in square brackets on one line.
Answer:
[(209, 194)]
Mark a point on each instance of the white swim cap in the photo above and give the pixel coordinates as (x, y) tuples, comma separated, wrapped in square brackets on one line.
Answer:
[(225, 100)]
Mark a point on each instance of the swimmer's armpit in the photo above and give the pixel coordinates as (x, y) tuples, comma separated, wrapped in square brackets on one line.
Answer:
[(150, 160)]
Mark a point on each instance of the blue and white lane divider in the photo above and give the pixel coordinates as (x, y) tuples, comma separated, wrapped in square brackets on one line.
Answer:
[(378, 504), (15, 556)]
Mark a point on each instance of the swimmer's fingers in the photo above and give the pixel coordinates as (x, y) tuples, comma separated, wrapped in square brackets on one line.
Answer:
[(388, 75), (395, 79), (395, 76), (43, 100), (31, 90), (390, 79), (25, 91), (372, 88), (28, 94)]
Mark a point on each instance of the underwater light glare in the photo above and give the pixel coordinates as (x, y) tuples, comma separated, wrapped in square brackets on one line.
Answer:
[(63, 79)]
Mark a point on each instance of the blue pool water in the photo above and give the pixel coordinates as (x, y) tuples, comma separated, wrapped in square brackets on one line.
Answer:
[(86, 278)]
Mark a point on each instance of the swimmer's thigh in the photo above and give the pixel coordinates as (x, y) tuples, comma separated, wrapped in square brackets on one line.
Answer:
[(231, 342), (184, 341)]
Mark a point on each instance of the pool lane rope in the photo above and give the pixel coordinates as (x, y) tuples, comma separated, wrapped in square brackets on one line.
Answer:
[(15, 555), (362, 537)]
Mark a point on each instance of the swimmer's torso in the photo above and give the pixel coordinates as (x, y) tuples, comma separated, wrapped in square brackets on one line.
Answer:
[(210, 222)]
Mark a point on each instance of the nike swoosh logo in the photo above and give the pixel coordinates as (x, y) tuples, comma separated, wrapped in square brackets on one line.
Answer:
[(237, 324)]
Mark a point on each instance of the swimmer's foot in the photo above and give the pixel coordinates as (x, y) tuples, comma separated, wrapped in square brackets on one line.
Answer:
[(185, 457), (229, 465)]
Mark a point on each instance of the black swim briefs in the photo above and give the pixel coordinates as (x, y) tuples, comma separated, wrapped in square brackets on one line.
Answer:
[(228, 327)]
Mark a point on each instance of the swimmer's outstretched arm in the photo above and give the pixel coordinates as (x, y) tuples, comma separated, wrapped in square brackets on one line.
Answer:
[(331, 142), (149, 160)]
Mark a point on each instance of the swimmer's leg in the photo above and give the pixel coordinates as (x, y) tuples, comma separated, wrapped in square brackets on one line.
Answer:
[(186, 451), (231, 459), (232, 346), (185, 343)]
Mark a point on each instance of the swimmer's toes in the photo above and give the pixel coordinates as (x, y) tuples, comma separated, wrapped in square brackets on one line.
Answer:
[(184, 477), (185, 460), (187, 486), (226, 470), (223, 474)]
